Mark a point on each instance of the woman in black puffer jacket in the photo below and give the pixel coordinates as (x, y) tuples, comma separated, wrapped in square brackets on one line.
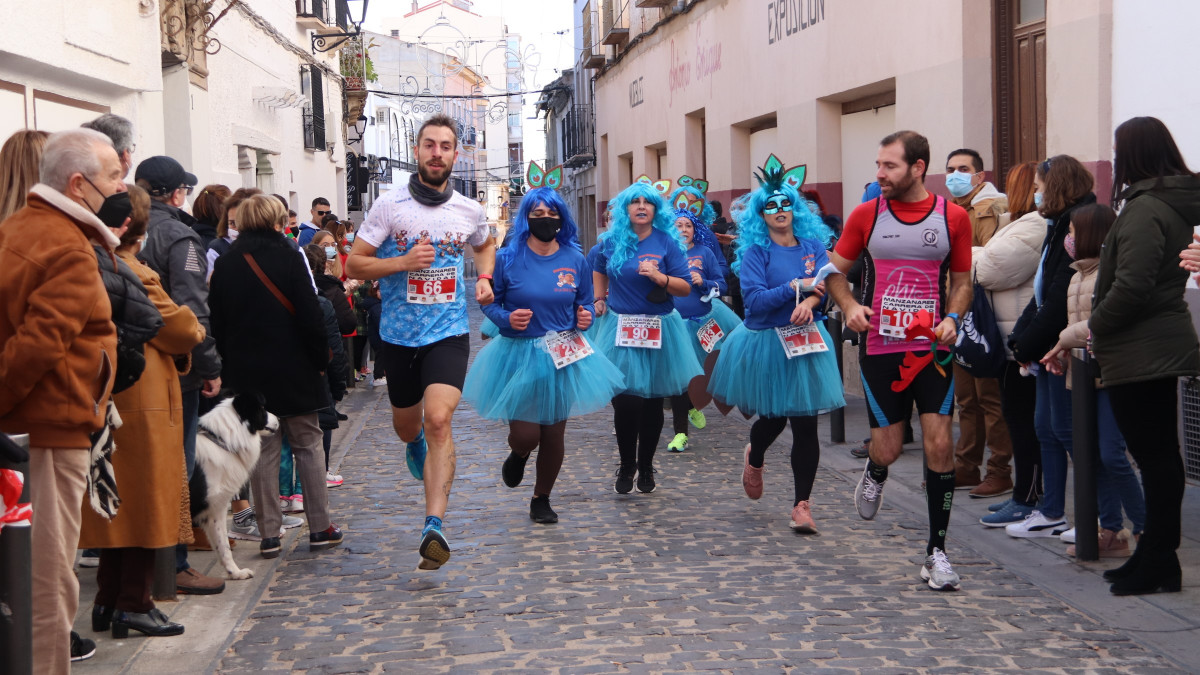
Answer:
[(1064, 185)]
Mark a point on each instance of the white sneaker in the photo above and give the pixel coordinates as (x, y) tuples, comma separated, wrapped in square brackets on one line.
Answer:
[(1068, 537), (938, 572), (381, 382), (1037, 525), (332, 479), (290, 522)]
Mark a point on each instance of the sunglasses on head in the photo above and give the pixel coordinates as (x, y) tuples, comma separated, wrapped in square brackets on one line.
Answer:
[(777, 204)]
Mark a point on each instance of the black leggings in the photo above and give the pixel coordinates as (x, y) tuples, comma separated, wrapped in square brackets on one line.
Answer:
[(1017, 398), (806, 450), (681, 404), (639, 423), (548, 440), (326, 442)]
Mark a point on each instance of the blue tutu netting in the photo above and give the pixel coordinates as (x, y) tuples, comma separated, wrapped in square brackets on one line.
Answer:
[(726, 319), (488, 329), (754, 374), (650, 373), (515, 379)]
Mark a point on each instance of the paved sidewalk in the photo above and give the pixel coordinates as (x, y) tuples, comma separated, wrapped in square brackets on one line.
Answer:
[(693, 577)]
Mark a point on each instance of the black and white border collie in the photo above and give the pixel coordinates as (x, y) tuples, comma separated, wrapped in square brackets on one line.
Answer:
[(228, 443)]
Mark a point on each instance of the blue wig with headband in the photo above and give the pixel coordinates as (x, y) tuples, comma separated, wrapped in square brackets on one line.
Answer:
[(775, 181), (620, 242), (568, 234)]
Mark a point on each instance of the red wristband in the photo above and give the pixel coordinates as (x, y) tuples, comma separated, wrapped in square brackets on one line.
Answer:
[(485, 276)]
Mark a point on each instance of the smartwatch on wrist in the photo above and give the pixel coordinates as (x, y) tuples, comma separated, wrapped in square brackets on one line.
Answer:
[(957, 321)]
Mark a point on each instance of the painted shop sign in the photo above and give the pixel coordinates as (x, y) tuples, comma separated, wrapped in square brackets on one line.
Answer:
[(707, 61), (635, 93), (786, 18)]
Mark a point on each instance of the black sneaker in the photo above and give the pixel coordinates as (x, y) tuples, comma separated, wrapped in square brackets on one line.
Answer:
[(624, 481), (270, 547), (540, 511), (435, 550), (322, 540), (513, 470), (81, 647), (645, 481)]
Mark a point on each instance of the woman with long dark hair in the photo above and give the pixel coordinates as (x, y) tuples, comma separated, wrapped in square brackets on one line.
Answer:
[(1143, 336), (1063, 186)]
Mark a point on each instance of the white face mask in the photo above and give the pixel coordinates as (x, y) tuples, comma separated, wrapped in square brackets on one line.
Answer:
[(142, 244), (233, 234)]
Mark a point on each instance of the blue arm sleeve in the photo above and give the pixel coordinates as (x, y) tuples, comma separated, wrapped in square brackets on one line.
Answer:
[(719, 255), (757, 297), (675, 263), (584, 295), (714, 272), (496, 310)]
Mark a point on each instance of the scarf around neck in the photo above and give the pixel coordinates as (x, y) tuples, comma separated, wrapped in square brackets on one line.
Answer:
[(426, 195)]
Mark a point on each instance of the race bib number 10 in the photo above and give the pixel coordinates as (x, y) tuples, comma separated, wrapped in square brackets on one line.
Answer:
[(567, 347), (800, 340), (639, 330), (896, 313), (432, 286), (709, 335)]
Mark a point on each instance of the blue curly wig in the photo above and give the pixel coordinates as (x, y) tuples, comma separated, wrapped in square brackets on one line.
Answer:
[(568, 235), (620, 242), (709, 216), (753, 231)]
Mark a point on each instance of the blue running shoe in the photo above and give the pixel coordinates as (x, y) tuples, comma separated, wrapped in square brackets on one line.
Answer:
[(1011, 513), (414, 454), (992, 508)]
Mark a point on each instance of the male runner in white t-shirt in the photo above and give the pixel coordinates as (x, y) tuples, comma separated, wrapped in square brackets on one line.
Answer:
[(413, 241)]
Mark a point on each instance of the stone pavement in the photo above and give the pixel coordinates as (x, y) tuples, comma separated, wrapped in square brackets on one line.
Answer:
[(693, 577)]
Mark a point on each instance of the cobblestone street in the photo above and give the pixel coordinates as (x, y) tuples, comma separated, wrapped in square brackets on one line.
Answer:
[(692, 577)]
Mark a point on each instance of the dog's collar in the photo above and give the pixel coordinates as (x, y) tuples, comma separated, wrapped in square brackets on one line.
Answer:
[(214, 438)]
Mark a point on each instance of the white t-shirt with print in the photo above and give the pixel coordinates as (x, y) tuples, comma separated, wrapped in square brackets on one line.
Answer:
[(395, 223)]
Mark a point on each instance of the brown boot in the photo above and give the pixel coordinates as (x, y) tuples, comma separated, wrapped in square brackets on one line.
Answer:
[(1113, 544), (992, 486), (965, 480), (191, 582)]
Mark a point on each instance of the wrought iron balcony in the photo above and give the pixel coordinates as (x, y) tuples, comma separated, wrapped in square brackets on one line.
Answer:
[(579, 137)]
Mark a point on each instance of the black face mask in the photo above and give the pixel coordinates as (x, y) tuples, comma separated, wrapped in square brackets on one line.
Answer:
[(545, 229), (116, 207)]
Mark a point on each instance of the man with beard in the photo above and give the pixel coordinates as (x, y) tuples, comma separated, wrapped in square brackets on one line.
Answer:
[(413, 241), (912, 239)]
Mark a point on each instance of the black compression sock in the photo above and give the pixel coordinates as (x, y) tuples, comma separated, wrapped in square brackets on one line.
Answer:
[(939, 490), (876, 472)]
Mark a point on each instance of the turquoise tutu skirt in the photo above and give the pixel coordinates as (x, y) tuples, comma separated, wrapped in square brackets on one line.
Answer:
[(489, 329), (515, 379), (726, 319), (650, 373), (755, 375)]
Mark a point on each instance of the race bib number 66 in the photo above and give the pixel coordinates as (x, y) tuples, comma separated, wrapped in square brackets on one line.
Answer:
[(432, 286)]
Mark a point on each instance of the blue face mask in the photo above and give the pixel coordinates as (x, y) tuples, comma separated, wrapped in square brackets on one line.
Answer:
[(1037, 199), (330, 252), (959, 183), (776, 204)]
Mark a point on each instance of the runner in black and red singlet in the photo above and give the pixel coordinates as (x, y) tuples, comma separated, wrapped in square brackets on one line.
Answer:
[(917, 257)]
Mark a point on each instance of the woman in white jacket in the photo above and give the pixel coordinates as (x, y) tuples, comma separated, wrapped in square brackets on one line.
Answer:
[(1006, 267)]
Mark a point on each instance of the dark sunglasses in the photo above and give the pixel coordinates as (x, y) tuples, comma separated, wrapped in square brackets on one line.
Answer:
[(323, 213)]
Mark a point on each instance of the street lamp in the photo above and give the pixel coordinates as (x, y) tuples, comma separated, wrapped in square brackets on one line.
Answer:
[(360, 127)]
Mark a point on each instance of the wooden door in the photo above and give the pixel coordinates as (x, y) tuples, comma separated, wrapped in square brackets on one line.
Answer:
[(1019, 83)]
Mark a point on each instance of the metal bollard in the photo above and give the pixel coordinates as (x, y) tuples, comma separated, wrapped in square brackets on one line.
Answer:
[(16, 581), (1086, 444), (837, 418)]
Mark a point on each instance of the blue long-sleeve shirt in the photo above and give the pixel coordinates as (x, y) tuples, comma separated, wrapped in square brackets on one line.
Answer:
[(701, 259), (627, 291), (766, 277), (552, 286)]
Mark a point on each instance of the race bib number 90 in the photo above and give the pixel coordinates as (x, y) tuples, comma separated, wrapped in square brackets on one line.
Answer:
[(639, 330), (709, 335), (800, 340), (896, 313), (567, 347), (432, 286)]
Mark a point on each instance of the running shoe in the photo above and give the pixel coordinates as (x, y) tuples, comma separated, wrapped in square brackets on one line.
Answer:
[(540, 511), (1010, 513), (296, 504), (624, 484), (381, 382), (332, 479), (938, 572), (414, 454), (289, 522), (248, 529), (868, 495), (678, 444), (285, 503), (513, 469), (89, 558), (752, 481), (1068, 537), (1000, 505), (434, 550), (1037, 526), (81, 648), (645, 480), (802, 520), (697, 419)]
